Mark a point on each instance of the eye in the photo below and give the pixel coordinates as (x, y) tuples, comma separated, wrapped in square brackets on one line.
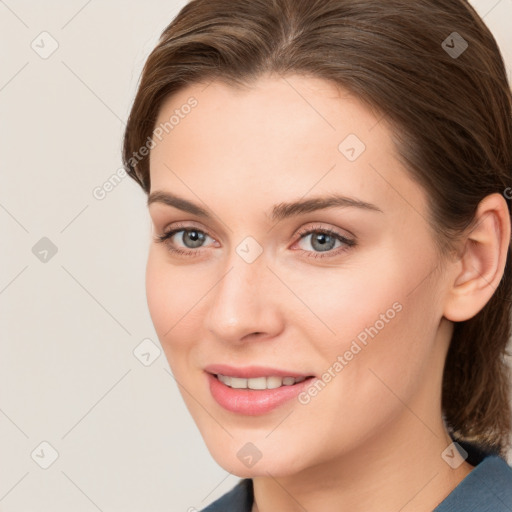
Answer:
[(184, 240), (189, 240), (323, 240)]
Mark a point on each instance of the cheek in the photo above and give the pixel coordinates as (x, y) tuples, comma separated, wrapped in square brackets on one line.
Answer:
[(382, 358), (173, 294), (380, 321), (387, 300), (349, 304), (158, 294)]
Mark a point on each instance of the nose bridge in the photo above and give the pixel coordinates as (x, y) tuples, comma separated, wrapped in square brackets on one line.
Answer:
[(240, 302)]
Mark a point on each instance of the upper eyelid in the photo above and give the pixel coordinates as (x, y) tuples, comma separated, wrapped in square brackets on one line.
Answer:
[(192, 223), (317, 227), (301, 231), (187, 227)]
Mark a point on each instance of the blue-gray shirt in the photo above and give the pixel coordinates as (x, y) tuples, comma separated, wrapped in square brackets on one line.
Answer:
[(488, 488)]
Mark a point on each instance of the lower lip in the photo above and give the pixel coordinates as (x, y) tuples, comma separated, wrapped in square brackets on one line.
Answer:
[(252, 402)]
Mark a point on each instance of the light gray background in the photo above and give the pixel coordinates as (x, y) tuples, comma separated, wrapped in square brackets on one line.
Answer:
[(69, 326)]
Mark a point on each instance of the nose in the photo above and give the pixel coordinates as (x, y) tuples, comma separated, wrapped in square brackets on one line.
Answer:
[(244, 304)]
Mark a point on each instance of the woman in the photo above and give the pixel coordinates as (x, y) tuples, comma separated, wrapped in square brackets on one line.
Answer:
[(330, 276)]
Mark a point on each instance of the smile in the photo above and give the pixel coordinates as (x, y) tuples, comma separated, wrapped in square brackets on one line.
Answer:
[(255, 395), (259, 383)]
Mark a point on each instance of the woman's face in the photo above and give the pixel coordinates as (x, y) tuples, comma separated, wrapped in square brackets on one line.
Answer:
[(303, 251)]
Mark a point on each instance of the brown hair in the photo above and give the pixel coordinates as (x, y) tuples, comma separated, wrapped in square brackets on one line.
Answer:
[(452, 119)]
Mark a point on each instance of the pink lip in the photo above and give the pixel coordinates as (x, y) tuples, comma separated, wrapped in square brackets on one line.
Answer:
[(249, 372), (251, 402)]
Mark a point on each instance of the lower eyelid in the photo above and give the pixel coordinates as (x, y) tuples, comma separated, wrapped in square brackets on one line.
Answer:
[(347, 243)]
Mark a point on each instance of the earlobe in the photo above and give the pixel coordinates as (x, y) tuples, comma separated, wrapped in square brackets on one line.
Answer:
[(480, 268)]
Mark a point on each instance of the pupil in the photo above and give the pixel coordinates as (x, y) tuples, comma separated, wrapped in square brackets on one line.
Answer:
[(326, 242), (195, 237)]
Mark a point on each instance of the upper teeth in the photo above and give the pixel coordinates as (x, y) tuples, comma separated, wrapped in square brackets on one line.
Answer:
[(259, 382)]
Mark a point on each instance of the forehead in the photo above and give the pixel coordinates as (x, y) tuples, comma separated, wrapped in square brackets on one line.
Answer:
[(290, 108), (282, 135)]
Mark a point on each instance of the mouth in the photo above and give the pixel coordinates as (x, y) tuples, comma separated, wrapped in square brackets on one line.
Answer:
[(254, 391), (259, 383)]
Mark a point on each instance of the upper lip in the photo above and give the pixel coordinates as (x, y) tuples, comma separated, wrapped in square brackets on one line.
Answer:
[(250, 372)]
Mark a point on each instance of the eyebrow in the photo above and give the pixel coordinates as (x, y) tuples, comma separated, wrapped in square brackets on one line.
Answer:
[(279, 211)]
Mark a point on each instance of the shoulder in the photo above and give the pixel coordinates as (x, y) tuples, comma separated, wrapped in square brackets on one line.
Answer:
[(239, 499), (488, 488)]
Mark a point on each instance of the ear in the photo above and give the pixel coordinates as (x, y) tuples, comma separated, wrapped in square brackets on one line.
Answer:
[(478, 272)]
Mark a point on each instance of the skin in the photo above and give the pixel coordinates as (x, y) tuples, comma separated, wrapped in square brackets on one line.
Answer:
[(372, 438)]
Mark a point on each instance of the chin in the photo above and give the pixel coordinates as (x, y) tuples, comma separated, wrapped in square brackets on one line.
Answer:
[(246, 460), (278, 468)]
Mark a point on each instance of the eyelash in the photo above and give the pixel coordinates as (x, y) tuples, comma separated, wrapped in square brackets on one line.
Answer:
[(164, 238)]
